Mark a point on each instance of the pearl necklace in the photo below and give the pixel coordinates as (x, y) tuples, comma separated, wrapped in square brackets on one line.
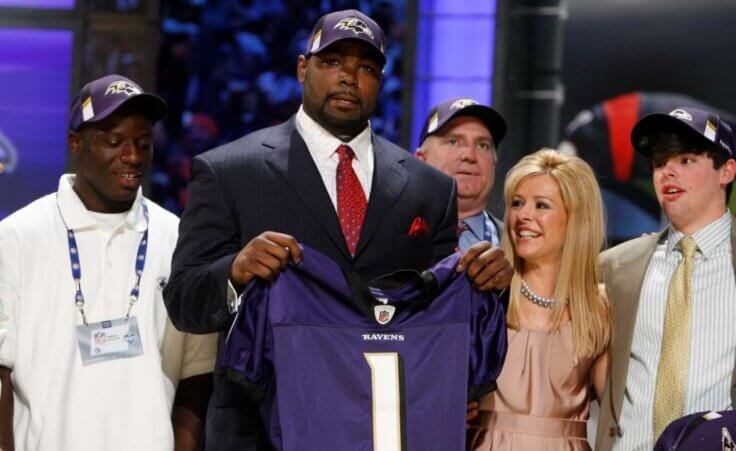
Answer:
[(535, 298)]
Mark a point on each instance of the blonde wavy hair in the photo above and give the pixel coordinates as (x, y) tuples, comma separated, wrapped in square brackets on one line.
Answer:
[(584, 238)]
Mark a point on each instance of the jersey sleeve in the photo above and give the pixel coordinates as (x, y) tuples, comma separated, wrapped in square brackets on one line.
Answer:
[(487, 343), (246, 356)]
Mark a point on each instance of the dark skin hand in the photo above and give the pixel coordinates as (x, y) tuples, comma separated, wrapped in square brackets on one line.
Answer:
[(189, 411), (486, 266), (264, 256)]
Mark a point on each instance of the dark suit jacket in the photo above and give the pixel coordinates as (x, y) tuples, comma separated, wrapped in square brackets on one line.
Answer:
[(623, 269), (267, 180)]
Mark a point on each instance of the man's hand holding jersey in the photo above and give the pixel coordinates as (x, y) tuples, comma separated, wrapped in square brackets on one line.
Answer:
[(264, 256), (486, 266)]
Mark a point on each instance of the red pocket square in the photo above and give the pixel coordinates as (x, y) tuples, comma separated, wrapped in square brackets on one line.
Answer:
[(419, 227)]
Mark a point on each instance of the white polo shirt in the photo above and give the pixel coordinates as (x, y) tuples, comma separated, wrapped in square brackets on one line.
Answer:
[(122, 404)]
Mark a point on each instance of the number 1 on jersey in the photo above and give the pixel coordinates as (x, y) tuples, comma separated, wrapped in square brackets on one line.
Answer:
[(387, 395)]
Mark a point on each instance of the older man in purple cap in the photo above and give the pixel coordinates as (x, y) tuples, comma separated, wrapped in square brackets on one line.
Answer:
[(322, 179), (88, 358), (460, 137), (672, 293)]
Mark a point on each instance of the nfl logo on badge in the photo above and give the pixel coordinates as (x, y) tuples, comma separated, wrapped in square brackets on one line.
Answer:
[(384, 313), (100, 338)]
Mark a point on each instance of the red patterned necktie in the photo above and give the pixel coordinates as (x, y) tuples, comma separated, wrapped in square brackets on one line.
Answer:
[(351, 202)]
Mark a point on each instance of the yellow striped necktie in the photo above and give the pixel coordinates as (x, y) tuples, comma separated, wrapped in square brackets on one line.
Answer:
[(671, 386)]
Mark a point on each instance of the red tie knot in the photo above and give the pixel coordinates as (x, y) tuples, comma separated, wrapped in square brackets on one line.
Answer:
[(345, 152)]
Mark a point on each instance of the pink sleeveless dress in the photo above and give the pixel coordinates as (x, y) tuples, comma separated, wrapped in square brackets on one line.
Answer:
[(543, 396)]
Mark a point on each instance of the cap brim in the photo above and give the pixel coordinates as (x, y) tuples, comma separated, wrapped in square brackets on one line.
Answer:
[(493, 121), (149, 105), (643, 131)]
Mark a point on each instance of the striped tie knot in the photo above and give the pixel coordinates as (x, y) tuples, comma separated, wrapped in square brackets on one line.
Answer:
[(687, 246)]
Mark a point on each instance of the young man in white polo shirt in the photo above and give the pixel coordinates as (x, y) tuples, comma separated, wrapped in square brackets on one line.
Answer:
[(85, 342)]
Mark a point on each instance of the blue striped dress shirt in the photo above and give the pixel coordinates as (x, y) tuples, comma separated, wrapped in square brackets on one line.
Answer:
[(712, 335)]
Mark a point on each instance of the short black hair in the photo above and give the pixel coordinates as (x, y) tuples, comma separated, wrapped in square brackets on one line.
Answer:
[(667, 144)]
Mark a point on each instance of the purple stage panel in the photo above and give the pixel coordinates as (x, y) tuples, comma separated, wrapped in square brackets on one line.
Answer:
[(30, 4), (35, 71)]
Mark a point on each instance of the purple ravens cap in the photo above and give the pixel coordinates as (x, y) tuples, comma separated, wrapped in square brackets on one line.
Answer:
[(700, 124), (445, 111), (346, 24), (100, 98), (700, 431)]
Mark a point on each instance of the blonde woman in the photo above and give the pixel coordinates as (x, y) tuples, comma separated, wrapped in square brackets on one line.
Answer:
[(559, 326)]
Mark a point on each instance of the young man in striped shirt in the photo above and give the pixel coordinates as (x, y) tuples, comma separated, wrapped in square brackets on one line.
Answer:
[(673, 293)]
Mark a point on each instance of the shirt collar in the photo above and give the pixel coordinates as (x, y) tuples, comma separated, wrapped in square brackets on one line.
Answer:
[(323, 144), (76, 216), (476, 223), (707, 238)]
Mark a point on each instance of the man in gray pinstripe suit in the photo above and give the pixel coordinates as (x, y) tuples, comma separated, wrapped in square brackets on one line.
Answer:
[(691, 154)]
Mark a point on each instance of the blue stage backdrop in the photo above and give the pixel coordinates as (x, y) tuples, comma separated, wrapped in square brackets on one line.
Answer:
[(55, 4), (35, 70)]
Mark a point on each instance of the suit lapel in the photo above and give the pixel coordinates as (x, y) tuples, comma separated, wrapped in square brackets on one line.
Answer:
[(292, 160), (626, 277), (389, 181)]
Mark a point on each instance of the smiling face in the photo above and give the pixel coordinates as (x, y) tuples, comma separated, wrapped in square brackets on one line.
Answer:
[(341, 85), (463, 149), (690, 190), (112, 156), (537, 220)]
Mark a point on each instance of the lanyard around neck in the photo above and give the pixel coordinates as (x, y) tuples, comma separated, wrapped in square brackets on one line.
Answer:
[(140, 263)]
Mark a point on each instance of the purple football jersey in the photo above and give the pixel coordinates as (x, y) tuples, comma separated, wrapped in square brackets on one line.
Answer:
[(343, 365)]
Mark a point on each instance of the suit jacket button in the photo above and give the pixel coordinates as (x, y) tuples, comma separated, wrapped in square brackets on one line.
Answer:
[(612, 432)]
